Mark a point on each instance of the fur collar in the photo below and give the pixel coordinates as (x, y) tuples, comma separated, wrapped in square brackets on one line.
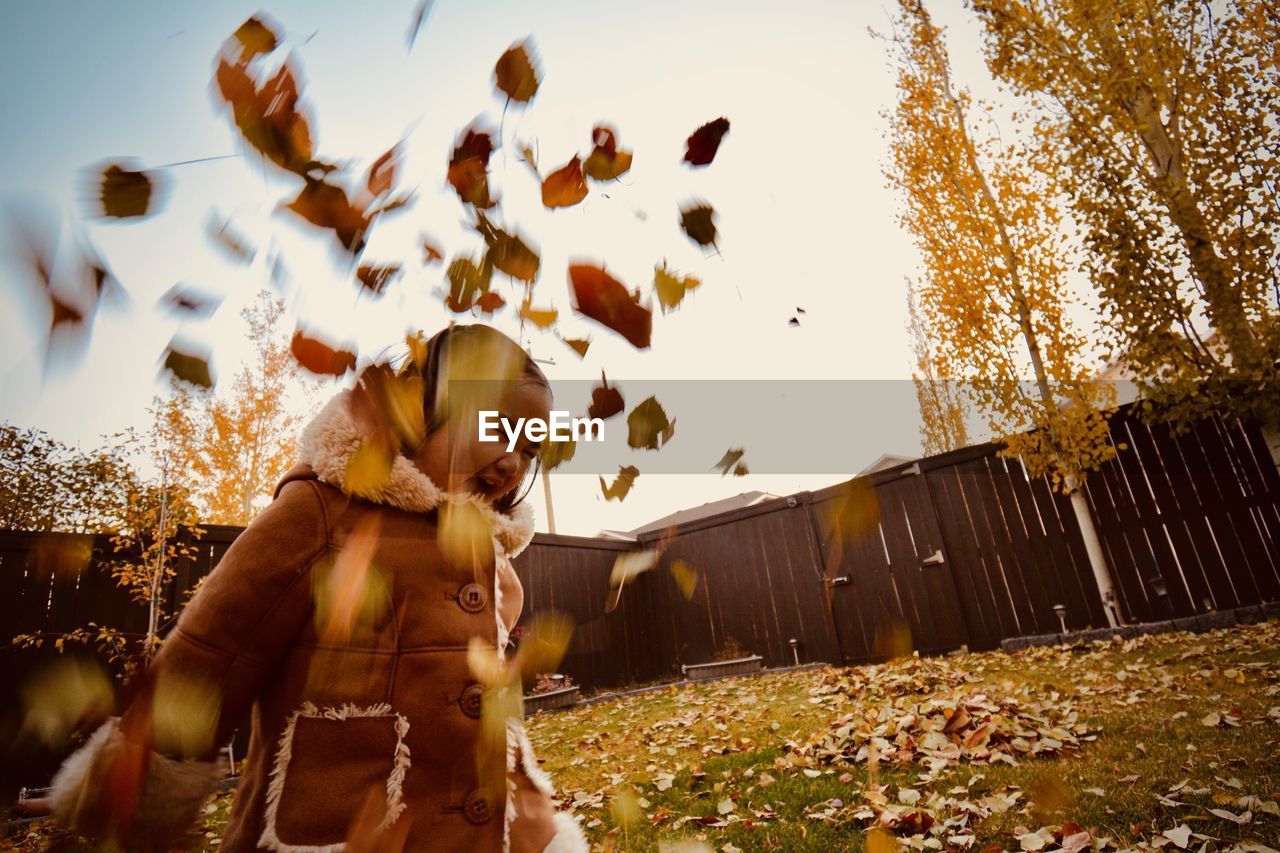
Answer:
[(328, 442)]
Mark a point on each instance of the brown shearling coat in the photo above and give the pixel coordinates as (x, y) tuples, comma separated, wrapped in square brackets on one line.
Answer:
[(379, 732)]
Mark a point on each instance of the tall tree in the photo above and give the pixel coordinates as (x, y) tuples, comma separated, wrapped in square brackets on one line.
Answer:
[(47, 486), (232, 449), (1160, 119), (994, 289), (942, 406)]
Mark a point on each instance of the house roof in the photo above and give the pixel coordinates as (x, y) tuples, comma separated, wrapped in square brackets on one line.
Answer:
[(884, 461), (728, 504)]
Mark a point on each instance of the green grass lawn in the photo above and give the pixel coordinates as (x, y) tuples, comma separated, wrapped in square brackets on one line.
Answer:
[(1166, 742)]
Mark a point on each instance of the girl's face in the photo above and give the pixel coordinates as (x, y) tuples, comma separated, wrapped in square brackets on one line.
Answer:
[(460, 462)]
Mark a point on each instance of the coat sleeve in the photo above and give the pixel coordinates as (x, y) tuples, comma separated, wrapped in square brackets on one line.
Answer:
[(158, 759)]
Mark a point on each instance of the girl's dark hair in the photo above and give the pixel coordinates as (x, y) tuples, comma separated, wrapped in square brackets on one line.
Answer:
[(429, 366)]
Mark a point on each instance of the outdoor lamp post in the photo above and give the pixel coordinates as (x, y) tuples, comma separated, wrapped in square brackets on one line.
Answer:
[(795, 646), (1061, 612)]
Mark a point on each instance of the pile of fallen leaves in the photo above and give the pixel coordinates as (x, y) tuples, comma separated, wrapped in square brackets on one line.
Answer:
[(925, 712)]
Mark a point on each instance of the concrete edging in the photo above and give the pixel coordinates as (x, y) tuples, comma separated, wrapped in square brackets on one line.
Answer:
[(1196, 624)]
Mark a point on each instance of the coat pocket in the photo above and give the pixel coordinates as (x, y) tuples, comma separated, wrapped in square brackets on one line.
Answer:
[(329, 762)]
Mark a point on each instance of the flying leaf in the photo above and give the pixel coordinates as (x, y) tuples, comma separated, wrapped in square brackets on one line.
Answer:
[(602, 298), (327, 206), (507, 252), (188, 368), (268, 116), (529, 159), (352, 595), (619, 488), (469, 168), (729, 459), (124, 193), (648, 427), (431, 253), (670, 288), (686, 577), (255, 38), (606, 400), (184, 300), (375, 278), (698, 222), (565, 186), (419, 15), (382, 174), (319, 357), (629, 564), (556, 453), (466, 536), (490, 301), (703, 143), (515, 73), (544, 642), (606, 162), (540, 317), (222, 235), (369, 469), (579, 345), (467, 280)]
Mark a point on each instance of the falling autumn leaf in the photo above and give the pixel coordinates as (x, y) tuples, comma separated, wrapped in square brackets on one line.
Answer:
[(220, 232), (619, 488), (327, 206), (543, 643), (467, 280), (565, 186), (319, 357), (125, 193), (431, 253), (186, 301), (602, 298), (490, 301), (374, 278), (648, 427), (187, 367), (368, 470), (703, 143), (556, 453), (515, 73), (469, 168), (540, 317), (729, 459), (698, 222), (508, 253), (578, 345), (606, 400), (629, 564), (670, 288), (606, 162), (255, 37), (382, 174), (419, 15), (686, 577)]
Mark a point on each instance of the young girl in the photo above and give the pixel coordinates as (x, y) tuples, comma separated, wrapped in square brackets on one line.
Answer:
[(344, 616)]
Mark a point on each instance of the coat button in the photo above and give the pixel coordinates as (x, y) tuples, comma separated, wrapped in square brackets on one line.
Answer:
[(476, 807), (472, 598), (472, 700)]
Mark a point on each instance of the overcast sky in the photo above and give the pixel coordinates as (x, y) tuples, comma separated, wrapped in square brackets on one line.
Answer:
[(805, 217)]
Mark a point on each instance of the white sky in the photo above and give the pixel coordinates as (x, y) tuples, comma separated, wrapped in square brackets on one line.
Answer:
[(805, 216)]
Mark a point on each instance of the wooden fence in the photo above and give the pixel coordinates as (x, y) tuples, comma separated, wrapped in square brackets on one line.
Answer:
[(967, 551)]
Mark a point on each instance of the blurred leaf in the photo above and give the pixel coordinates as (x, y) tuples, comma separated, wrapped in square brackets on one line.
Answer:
[(540, 317), (606, 400), (188, 368), (544, 642), (465, 535), (467, 280), (602, 298), (628, 565), (327, 206), (320, 358), (185, 711), (622, 485), (419, 15), (469, 168), (565, 186), (625, 809), (697, 222), (729, 459), (368, 469), (62, 557), (648, 427), (125, 194), (670, 288), (382, 174), (255, 38), (352, 595), (578, 345), (60, 695), (703, 143), (268, 116), (374, 277), (515, 73), (431, 253), (686, 577), (185, 300), (508, 253), (606, 162), (235, 245), (490, 301), (556, 453)]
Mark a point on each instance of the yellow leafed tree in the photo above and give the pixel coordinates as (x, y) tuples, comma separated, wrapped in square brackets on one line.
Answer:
[(941, 400), (1159, 120), (993, 287), (232, 450)]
